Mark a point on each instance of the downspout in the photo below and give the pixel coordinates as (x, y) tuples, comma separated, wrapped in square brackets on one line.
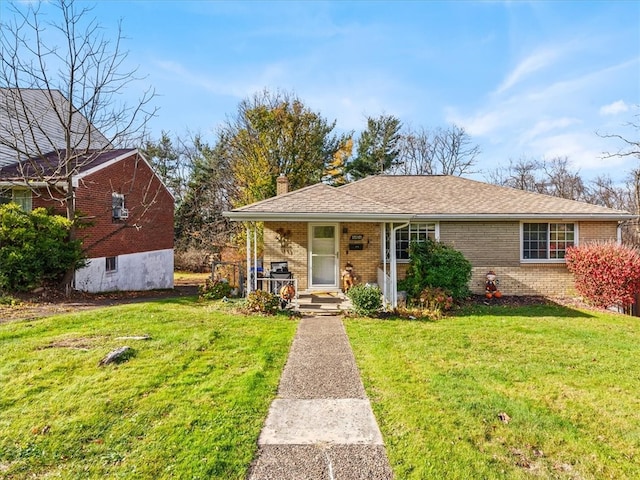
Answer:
[(394, 265), (248, 289)]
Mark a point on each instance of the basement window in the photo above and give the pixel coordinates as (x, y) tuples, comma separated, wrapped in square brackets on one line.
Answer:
[(111, 264)]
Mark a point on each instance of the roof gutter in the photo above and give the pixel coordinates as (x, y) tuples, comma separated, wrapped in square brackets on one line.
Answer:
[(569, 217), (376, 217), (22, 183)]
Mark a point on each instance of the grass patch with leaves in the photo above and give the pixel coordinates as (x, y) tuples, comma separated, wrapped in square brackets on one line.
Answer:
[(502, 392), (189, 403)]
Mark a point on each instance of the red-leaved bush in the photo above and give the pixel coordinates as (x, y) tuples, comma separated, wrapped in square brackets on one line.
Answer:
[(606, 274)]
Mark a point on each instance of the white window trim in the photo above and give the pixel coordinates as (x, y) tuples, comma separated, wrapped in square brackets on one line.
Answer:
[(407, 260), (576, 241)]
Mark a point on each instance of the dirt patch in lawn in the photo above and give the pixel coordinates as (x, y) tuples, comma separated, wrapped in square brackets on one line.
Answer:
[(53, 302), (81, 343)]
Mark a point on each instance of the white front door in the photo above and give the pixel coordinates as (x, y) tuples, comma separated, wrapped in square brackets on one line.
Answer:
[(323, 253)]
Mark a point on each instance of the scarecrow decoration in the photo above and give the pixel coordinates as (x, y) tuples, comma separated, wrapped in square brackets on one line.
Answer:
[(491, 285), (348, 277)]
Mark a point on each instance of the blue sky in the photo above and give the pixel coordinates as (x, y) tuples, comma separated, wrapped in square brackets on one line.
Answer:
[(524, 78)]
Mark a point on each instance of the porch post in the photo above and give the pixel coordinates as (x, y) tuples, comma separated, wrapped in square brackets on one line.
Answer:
[(248, 289), (255, 257), (393, 267), (394, 264), (385, 293)]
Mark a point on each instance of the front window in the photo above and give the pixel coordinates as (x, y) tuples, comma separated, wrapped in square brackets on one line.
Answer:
[(414, 232), (547, 241)]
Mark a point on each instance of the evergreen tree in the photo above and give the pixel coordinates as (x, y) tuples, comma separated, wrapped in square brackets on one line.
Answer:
[(378, 147)]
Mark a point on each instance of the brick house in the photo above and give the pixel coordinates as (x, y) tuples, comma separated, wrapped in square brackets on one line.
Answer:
[(129, 240), (520, 235)]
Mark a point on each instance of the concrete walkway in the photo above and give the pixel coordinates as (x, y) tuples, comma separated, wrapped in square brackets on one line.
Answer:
[(321, 426)]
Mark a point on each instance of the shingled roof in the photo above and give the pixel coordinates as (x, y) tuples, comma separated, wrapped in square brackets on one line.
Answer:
[(437, 197), (49, 165), (30, 121)]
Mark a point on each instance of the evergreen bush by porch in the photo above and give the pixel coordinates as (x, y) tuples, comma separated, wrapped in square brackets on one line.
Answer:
[(436, 265), (366, 299)]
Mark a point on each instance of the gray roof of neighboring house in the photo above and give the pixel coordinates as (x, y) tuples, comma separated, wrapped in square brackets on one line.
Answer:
[(48, 166), (415, 197), (29, 120)]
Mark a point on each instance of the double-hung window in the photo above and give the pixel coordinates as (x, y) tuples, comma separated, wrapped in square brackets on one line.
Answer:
[(20, 196), (547, 241), (414, 232)]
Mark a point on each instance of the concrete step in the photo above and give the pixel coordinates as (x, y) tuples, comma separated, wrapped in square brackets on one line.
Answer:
[(321, 302)]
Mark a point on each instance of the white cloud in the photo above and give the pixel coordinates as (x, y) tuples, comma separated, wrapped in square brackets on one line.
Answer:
[(549, 125), (528, 66), (614, 108)]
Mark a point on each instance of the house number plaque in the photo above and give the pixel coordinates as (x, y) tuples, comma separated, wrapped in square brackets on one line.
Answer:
[(357, 236)]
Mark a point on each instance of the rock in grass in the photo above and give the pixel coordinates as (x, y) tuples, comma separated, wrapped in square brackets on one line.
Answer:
[(118, 355)]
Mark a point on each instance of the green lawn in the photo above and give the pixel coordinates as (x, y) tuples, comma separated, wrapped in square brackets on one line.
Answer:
[(568, 380), (189, 404)]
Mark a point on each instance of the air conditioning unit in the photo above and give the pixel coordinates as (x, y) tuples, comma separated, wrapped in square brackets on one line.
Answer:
[(124, 214)]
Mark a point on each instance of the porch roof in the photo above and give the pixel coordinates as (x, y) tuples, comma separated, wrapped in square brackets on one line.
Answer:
[(434, 197)]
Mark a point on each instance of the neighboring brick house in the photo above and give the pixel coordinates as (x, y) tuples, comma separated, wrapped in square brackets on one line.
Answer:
[(129, 242), (520, 235)]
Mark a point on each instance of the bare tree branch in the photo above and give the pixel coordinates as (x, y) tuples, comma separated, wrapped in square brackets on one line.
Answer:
[(59, 87)]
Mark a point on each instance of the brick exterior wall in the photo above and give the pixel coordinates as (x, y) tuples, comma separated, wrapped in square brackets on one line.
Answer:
[(552, 279), (487, 245), (295, 253), (365, 261), (150, 223)]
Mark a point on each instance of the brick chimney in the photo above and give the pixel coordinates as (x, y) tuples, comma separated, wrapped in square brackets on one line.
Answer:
[(282, 184)]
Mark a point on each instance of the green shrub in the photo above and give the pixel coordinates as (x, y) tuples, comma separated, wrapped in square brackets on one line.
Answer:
[(262, 302), (8, 300), (436, 265), (35, 248), (214, 289), (366, 299)]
